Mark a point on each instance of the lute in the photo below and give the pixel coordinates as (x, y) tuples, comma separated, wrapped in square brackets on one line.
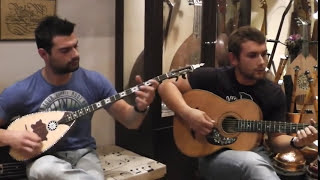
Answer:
[(51, 126)]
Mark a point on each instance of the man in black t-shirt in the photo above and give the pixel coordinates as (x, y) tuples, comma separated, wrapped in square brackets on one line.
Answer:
[(245, 79)]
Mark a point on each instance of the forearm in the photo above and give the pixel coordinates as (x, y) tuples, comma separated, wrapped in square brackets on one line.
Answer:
[(134, 119), (3, 137), (126, 115), (280, 143), (173, 98)]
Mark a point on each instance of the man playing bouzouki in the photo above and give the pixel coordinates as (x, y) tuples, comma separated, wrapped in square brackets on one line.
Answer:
[(245, 78), (64, 86)]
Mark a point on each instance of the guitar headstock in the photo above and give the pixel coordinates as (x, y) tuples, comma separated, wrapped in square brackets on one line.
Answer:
[(195, 2), (263, 4), (183, 71)]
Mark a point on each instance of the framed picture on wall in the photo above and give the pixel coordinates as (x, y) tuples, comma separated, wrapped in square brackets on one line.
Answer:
[(19, 18)]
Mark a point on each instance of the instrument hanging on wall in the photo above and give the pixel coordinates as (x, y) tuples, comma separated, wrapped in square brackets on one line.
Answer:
[(137, 68), (282, 65), (190, 50), (264, 6), (306, 63), (270, 62), (222, 38), (51, 126), (293, 96), (239, 125), (233, 22)]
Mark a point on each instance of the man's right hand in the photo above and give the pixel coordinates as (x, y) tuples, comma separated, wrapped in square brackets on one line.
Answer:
[(24, 141), (199, 121)]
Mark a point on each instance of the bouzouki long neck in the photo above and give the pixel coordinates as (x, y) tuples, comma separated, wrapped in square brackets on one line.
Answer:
[(98, 105)]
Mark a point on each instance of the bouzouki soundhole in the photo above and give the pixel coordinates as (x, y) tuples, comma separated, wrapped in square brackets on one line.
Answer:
[(52, 125)]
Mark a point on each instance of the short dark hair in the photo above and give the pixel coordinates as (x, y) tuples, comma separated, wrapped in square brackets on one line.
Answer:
[(48, 28), (241, 35)]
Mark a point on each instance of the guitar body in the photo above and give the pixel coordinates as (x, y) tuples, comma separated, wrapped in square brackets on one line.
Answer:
[(218, 109), (41, 123)]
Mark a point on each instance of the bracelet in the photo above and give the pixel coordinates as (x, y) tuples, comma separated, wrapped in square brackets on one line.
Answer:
[(293, 145), (140, 111)]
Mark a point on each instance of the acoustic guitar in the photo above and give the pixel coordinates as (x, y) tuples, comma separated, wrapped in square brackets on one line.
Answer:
[(239, 125), (53, 125)]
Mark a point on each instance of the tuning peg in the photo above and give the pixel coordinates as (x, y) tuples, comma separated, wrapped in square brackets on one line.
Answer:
[(307, 72), (297, 68)]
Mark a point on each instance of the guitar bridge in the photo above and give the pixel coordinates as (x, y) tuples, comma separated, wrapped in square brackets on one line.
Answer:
[(216, 138)]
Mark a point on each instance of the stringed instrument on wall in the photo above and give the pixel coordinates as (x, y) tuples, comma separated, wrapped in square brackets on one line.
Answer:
[(221, 56), (306, 62), (51, 126), (233, 22), (137, 68), (190, 50), (264, 6), (238, 125)]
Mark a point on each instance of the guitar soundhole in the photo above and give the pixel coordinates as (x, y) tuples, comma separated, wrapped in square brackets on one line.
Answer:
[(229, 124)]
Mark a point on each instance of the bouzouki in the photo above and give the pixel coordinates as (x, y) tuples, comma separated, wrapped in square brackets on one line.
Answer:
[(239, 125), (53, 125), (190, 50)]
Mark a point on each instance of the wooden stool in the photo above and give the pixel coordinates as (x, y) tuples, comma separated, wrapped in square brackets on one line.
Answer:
[(119, 163)]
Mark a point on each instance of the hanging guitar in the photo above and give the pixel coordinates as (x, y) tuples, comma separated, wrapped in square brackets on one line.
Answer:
[(238, 125), (53, 125)]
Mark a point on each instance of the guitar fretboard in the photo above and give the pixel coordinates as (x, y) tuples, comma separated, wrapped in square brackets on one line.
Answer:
[(263, 126)]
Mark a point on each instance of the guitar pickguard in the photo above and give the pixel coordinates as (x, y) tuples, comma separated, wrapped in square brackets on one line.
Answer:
[(216, 138), (40, 128)]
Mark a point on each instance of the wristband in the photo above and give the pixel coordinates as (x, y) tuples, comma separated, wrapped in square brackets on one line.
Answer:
[(293, 145), (140, 111)]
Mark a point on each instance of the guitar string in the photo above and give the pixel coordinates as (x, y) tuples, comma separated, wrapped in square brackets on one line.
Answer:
[(285, 125)]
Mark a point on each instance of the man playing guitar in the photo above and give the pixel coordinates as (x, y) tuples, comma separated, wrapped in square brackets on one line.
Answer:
[(245, 79)]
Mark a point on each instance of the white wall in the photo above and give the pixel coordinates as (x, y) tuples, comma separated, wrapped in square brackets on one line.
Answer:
[(95, 28)]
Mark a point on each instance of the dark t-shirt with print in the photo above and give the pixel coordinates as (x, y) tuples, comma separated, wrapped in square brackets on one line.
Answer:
[(222, 82)]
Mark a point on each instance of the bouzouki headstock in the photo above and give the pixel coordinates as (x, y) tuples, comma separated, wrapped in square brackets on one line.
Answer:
[(195, 2), (183, 71)]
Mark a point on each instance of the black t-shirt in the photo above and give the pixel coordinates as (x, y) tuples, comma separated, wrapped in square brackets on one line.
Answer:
[(222, 82)]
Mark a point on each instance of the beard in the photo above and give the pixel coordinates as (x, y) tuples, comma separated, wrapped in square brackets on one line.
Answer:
[(255, 75), (71, 66)]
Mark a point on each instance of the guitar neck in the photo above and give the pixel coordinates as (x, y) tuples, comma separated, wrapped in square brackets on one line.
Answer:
[(263, 126)]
